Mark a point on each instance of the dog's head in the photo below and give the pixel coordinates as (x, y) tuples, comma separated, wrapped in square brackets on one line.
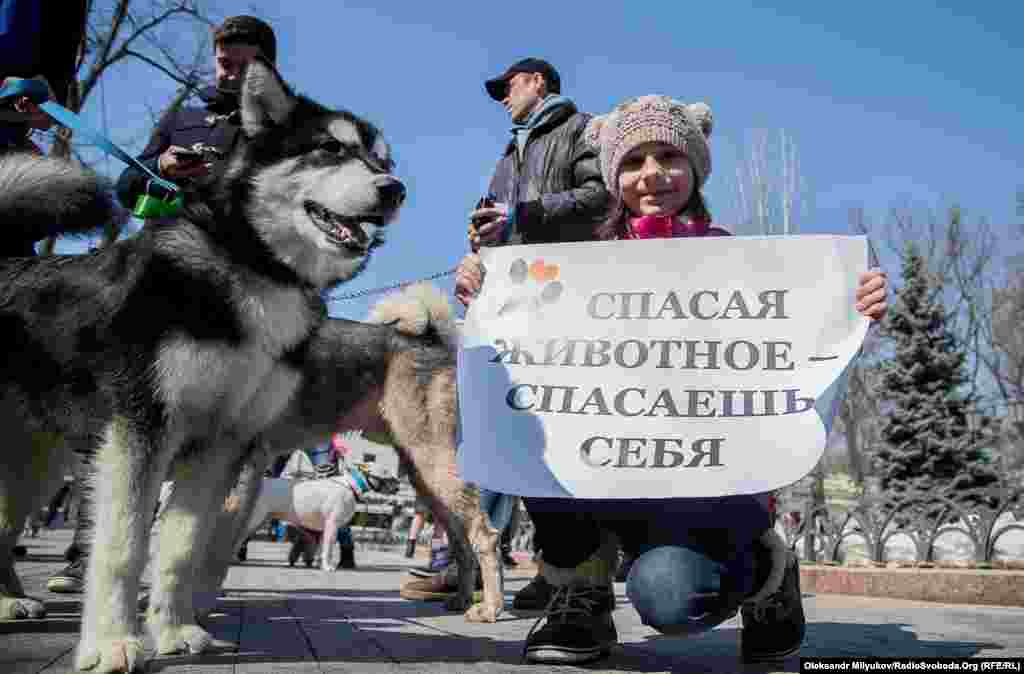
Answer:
[(317, 182)]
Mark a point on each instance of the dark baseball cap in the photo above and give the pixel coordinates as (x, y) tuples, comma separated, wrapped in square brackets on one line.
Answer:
[(497, 87)]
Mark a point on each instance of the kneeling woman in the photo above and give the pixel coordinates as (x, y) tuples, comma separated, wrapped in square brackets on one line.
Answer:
[(696, 562)]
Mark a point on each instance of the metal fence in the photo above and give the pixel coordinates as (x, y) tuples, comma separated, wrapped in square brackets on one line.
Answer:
[(821, 532)]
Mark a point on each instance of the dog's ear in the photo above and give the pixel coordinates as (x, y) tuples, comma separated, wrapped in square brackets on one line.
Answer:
[(265, 98)]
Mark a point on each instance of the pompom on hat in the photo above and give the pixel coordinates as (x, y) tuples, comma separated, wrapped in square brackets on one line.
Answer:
[(649, 119)]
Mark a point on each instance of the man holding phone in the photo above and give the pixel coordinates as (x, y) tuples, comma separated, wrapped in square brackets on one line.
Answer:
[(547, 186), (190, 141), (185, 146)]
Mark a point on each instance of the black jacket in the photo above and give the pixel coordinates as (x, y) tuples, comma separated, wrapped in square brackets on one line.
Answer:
[(561, 195), (217, 123)]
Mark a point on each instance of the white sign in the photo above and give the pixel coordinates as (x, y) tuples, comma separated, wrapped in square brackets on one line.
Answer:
[(657, 368)]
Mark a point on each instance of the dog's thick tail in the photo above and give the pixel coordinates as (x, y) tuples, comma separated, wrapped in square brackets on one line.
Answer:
[(44, 196), (417, 310)]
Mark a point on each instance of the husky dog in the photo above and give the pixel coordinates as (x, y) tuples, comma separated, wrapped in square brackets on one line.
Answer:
[(177, 347), (320, 505)]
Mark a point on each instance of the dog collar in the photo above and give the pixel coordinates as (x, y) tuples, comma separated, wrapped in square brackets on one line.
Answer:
[(358, 482)]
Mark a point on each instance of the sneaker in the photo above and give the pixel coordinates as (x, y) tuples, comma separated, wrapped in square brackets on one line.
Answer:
[(535, 596), (774, 627), (426, 589), (438, 563), (70, 580), (578, 628), (433, 589)]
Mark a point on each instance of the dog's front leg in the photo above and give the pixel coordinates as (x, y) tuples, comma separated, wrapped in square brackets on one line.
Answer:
[(202, 482), (484, 539), (329, 539), (465, 561), (127, 474)]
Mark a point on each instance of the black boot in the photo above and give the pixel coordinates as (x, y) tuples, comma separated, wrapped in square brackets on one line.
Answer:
[(348, 557), (774, 627), (410, 548), (71, 579)]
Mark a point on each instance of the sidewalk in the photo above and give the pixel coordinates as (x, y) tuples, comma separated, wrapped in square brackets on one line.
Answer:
[(305, 620)]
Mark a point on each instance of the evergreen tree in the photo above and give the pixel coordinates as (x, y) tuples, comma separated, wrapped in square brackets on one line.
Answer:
[(927, 447)]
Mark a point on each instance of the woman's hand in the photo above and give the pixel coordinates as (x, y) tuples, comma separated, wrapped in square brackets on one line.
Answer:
[(469, 277), (871, 291)]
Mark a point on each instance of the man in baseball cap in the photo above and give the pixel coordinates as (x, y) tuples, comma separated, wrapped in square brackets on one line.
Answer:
[(546, 188)]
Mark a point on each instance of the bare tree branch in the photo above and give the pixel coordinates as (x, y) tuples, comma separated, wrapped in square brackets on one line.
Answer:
[(188, 80), (119, 30)]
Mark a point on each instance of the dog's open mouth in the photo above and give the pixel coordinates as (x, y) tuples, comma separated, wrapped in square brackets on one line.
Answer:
[(344, 231)]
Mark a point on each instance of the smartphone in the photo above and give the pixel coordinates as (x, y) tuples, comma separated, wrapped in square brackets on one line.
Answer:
[(484, 202), (188, 155)]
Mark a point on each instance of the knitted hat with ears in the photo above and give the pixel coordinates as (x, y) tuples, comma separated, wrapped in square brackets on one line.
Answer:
[(652, 118)]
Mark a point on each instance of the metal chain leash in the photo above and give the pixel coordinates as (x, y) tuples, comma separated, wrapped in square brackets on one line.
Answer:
[(394, 286)]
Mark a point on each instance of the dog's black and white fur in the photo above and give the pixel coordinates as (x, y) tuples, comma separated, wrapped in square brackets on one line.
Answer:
[(176, 348)]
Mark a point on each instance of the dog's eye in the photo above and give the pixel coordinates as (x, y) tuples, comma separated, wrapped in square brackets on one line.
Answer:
[(333, 146)]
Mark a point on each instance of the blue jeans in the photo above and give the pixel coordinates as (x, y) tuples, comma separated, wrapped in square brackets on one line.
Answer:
[(498, 508), (694, 558), (681, 590)]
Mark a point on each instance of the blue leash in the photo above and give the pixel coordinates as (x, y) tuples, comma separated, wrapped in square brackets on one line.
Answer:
[(38, 93)]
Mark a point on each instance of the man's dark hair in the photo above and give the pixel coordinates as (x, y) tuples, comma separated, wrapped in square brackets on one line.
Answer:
[(245, 29)]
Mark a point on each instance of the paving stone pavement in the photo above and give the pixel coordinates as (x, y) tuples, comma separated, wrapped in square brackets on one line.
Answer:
[(304, 620)]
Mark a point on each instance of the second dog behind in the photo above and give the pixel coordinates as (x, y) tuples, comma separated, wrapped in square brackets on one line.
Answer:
[(321, 505)]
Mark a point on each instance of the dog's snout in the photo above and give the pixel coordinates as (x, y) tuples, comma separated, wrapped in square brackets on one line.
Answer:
[(392, 194)]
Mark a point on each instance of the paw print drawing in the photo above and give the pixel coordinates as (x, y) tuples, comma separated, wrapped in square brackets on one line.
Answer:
[(538, 273)]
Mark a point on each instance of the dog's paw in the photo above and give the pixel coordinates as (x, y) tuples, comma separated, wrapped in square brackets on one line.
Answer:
[(21, 608), (182, 639), (483, 613), (113, 655)]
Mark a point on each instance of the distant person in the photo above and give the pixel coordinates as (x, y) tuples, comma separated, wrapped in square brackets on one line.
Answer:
[(190, 141)]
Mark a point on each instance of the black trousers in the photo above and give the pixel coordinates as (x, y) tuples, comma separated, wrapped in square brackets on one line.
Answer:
[(568, 531)]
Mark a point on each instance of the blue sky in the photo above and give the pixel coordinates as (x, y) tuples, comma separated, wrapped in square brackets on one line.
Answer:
[(885, 100)]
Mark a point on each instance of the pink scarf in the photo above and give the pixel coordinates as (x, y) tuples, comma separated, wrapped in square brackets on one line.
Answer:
[(666, 227)]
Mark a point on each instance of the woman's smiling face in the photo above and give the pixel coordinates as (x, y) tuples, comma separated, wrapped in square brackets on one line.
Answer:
[(655, 179)]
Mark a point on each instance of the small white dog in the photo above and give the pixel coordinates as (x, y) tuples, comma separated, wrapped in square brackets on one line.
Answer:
[(323, 504)]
